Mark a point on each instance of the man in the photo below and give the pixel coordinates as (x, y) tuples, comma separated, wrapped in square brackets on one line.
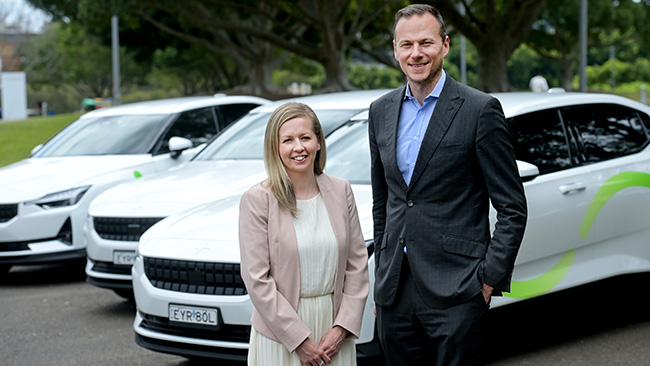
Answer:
[(440, 154)]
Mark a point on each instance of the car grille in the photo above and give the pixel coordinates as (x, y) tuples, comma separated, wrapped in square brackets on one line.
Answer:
[(123, 228), (225, 332), (195, 277), (7, 212), (108, 267)]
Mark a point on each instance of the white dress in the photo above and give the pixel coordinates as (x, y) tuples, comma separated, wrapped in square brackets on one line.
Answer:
[(318, 256)]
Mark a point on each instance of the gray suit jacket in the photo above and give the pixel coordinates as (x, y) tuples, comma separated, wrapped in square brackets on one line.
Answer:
[(466, 161)]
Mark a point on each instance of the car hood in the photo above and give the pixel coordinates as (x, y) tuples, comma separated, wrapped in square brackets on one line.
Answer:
[(178, 189), (210, 232), (33, 178)]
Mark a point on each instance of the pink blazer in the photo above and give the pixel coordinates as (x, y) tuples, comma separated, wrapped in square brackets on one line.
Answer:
[(270, 265)]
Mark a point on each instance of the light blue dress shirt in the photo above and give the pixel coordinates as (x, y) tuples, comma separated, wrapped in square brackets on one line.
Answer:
[(413, 122)]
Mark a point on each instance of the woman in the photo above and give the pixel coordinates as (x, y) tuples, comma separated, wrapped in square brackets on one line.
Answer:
[(303, 258)]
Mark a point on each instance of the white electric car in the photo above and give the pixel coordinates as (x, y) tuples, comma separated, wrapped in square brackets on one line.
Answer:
[(584, 160), (44, 199), (228, 165)]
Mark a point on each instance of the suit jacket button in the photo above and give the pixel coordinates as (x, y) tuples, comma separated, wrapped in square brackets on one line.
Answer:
[(409, 203)]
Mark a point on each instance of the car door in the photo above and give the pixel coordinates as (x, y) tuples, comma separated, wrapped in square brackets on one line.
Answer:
[(557, 199), (615, 221)]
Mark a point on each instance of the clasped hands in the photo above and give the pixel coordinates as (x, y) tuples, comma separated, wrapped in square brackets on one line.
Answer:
[(317, 354)]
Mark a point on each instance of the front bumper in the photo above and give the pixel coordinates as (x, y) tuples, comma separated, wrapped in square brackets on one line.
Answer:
[(154, 330)]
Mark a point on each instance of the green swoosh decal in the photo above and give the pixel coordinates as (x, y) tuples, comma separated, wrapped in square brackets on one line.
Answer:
[(547, 281), (137, 174), (543, 283), (610, 188)]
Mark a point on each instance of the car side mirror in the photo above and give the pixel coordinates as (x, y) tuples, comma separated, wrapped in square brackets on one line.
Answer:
[(36, 149), (527, 171), (177, 145)]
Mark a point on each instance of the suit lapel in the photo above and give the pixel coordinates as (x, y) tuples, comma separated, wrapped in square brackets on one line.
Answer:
[(446, 108), (391, 120)]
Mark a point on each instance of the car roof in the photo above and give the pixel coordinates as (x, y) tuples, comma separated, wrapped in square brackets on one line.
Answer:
[(518, 103), (173, 105), (359, 99)]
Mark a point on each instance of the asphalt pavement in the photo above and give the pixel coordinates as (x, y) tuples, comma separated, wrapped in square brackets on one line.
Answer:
[(51, 316)]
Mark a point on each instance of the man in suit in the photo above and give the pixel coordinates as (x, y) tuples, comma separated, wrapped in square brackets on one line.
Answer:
[(441, 153)]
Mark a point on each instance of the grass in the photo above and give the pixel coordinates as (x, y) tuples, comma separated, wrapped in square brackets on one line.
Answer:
[(18, 138)]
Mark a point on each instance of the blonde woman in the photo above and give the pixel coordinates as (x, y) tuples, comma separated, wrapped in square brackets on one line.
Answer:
[(303, 258)]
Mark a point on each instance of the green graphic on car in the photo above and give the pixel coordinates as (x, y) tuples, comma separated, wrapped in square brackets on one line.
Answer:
[(546, 282)]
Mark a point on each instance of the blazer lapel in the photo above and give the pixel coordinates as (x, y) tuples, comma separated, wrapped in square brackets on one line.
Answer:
[(446, 108), (391, 120)]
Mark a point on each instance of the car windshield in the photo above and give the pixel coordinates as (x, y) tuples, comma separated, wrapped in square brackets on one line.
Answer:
[(133, 134), (348, 152), (245, 138)]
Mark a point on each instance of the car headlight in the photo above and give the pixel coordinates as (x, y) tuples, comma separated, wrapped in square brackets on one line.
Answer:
[(65, 198)]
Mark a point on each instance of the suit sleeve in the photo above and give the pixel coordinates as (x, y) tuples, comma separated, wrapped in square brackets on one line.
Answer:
[(497, 161), (355, 285), (273, 307), (378, 180)]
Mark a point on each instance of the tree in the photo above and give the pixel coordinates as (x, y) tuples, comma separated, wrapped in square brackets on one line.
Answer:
[(496, 29), (319, 30), (66, 55), (555, 37)]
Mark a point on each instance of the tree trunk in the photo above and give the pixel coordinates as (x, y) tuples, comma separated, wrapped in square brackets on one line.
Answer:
[(336, 72), (493, 68)]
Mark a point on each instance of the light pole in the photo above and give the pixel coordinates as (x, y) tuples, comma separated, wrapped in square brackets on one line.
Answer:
[(115, 46)]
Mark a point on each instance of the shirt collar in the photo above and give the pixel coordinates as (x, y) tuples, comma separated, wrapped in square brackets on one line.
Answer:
[(435, 93)]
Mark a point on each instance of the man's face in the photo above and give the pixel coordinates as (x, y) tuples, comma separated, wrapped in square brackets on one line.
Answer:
[(419, 48)]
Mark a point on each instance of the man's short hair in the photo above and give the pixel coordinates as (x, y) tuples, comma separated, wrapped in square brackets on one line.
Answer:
[(420, 9)]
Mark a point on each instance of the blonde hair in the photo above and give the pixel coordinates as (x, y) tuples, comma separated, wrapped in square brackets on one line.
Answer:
[(278, 180)]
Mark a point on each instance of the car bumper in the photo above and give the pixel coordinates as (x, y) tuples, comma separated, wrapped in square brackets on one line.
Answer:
[(101, 271), (154, 330), (35, 235)]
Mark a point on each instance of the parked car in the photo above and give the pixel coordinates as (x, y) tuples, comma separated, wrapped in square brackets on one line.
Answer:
[(584, 160), (44, 199), (228, 165)]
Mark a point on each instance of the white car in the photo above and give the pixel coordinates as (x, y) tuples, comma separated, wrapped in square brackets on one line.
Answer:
[(228, 165), (44, 199), (584, 160)]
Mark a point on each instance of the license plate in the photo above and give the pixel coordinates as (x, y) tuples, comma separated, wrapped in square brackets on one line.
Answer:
[(194, 315), (122, 257)]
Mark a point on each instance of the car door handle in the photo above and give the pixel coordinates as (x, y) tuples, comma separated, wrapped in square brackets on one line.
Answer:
[(573, 187)]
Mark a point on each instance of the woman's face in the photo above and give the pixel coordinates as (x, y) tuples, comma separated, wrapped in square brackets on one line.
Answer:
[(298, 146)]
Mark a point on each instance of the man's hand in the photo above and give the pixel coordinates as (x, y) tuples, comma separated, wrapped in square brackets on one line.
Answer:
[(487, 292)]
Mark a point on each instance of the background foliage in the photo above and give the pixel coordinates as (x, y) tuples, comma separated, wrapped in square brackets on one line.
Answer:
[(261, 47)]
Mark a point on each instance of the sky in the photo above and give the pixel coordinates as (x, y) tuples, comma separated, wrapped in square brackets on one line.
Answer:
[(20, 11)]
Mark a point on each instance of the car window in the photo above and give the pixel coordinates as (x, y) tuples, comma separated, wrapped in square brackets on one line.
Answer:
[(348, 152), (245, 139), (228, 113), (646, 122), (538, 138), (133, 134), (197, 125), (606, 131)]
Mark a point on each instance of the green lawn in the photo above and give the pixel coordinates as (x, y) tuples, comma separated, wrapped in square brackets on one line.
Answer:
[(18, 138)]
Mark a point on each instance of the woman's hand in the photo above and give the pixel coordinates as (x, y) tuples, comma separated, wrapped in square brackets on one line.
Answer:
[(333, 340), (310, 353)]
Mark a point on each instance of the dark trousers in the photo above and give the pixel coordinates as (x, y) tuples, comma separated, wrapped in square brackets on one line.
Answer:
[(412, 333)]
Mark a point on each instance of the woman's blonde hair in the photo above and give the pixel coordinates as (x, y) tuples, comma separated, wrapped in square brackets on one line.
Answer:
[(279, 181)]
